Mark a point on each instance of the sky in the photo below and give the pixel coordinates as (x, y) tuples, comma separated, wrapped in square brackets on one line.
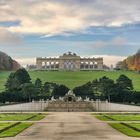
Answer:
[(91, 28)]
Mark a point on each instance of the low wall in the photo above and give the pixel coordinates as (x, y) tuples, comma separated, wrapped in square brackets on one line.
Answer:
[(33, 106), (92, 106), (110, 107)]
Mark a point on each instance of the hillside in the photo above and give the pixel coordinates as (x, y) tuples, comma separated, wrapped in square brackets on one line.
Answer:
[(7, 63), (131, 62), (73, 79)]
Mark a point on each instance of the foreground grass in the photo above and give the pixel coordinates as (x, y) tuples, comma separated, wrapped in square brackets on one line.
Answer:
[(15, 130), (125, 117), (4, 125), (125, 130), (15, 117), (12, 129), (20, 117), (37, 118), (135, 125), (116, 117), (73, 79), (102, 118), (130, 129)]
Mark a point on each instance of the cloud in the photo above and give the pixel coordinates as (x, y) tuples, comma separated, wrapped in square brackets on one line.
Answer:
[(9, 38), (25, 61), (117, 41), (56, 17), (111, 59)]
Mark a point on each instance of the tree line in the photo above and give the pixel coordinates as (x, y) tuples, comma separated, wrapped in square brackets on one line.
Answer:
[(20, 88), (105, 88)]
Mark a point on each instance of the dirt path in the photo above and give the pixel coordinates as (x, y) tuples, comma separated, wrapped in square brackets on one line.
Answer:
[(71, 126)]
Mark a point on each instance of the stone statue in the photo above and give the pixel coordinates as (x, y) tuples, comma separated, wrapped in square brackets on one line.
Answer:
[(70, 92), (79, 99), (52, 98), (60, 98), (87, 99)]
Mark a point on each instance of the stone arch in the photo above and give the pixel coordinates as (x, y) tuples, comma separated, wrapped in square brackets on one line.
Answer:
[(43, 65)]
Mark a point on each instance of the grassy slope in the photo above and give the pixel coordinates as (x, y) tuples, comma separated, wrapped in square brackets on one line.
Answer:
[(73, 79), (3, 77)]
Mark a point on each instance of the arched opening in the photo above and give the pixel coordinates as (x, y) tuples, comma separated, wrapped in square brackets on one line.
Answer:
[(43, 65), (69, 99)]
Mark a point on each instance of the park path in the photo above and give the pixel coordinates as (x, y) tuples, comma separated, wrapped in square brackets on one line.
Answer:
[(70, 126)]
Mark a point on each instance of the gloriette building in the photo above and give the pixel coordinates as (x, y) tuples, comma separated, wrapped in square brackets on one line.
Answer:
[(69, 62)]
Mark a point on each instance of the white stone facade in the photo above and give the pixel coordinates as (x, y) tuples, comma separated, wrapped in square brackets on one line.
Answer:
[(69, 62)]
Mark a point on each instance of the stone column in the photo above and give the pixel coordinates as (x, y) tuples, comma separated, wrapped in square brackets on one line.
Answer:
[(39, 64), (77, 64), (89, 65), (93, 66), (61, 64), (54, 65), (45, 65), (49, 65), (100, 66), (84, 65)]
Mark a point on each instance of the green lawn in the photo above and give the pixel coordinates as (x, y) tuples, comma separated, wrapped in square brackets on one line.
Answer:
[(73, 79), (102, 118), (4, 125), (15, 130), (126, 130), (130, 129), (128, 117), (10, 129), (136, 125), (125, 117), (20, 117)]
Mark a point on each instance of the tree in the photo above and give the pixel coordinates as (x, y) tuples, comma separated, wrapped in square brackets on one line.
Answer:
[(38, 86), (46, 87), (136, 97), (124, 82), (95, 87), (84, 90), (22, 76), (38, 83), (60, 90), (106, 87), (29, 91), (124, 87), (11, 83), (16, 79)]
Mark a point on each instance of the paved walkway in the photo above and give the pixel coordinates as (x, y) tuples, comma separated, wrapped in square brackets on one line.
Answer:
[(70, 126)]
